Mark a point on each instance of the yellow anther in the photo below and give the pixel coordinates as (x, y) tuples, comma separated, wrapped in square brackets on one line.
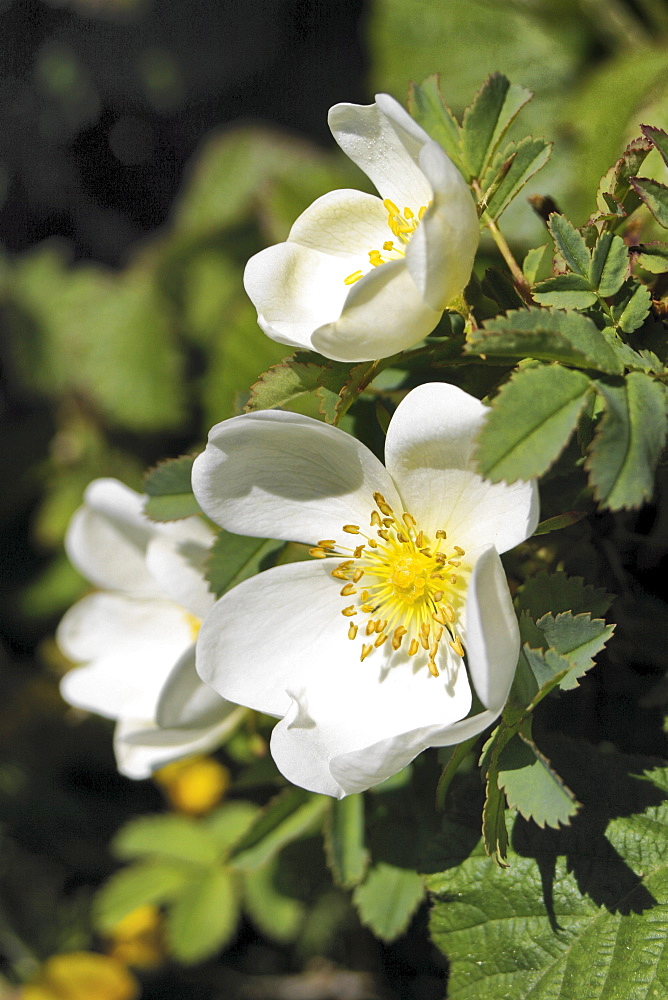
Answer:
[(408, 214), (381, 639), (358, 551), (426, 551), (398, 636), (458, 549), (352, 631), (349, 611), (388, 245), (419, 539), (389, 522), (348, 590), (402, 538), (449, 613), (425, 628), (457, 646), (339, 574), (433, 669), (372, 543), (368, 609), (433, 650), (439, 616), (352, 278), (453, 579), (437, 596), (413, 648), (382, 504), (389, 206), (327, 543), (352, 529), (375, 519), (409, 520), (318, 553), (440, 557), (454, 562), (364, 596), (370, 627), (384, 534), (441, 534), (357, 575), (365, 652), (421, 212), (381, 625), (424, 641), (438, 633)]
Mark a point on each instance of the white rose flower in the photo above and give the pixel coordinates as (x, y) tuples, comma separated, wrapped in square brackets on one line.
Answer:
[(366, 653), (362, 277), (136, 636)]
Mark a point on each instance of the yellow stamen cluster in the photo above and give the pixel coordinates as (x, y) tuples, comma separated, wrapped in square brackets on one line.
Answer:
[(403, 584), (402, 226)]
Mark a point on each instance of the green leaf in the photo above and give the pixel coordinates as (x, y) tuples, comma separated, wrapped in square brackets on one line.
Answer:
[(655, 196), (168, 836), (570, 244), (547, 336), (170, 495), (456, 759), (632, 314), (576, 637), (658, 138), (302, 373), (276, 914), (285, 382), (347, 854), (585, 911), (609, 265), (487, 119), (204, 918), (147, 882), (629, 441), (526, 158), (494, 835), (615, 185), (230, 823), (531, 785), (387, 900), (537, 264), (652, 257), (429, 110), (548, 667), (559, 521), (291, 815), (530, 422), (553, 593), (234, 558), (565, 291)]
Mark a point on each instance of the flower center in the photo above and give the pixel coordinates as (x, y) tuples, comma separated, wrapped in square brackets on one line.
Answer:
[(194, 624), (402, 227), (407, 588)]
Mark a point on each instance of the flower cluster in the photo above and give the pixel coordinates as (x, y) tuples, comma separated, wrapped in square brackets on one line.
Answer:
[(398, 633)]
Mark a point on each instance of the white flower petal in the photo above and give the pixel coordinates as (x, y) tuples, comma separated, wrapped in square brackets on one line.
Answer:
[(491, 630), (429, 454), (129, 646), (107, 538), (186, 702), (275, 474), (385, 142), (296, 289), (176, 558), (265, 635), (344, 223), (340, 737), (442, 249), (383, 314), (141, 747)]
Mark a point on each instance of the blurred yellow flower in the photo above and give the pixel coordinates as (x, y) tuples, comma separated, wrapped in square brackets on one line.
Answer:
[(82, 975), (137, 939), (195, 785)]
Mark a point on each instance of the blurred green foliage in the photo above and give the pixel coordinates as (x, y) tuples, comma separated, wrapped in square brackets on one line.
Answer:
[(107, 371)]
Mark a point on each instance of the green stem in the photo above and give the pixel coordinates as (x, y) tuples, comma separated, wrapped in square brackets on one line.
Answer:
[(521, 283)]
